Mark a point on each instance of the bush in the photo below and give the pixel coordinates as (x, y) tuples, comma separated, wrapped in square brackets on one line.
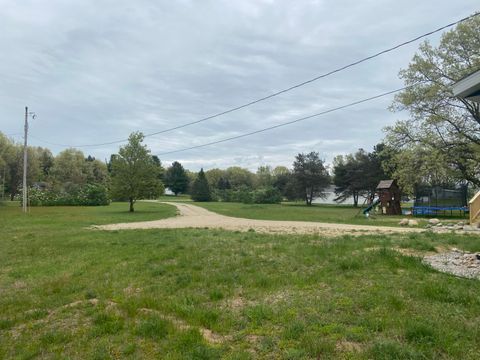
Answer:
[(243, 195), (268, 195), (86, 195)]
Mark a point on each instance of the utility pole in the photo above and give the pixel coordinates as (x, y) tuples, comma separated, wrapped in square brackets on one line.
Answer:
[(25, 158)]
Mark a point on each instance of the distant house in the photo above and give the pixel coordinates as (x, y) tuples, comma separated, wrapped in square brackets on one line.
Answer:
[(468, 87)]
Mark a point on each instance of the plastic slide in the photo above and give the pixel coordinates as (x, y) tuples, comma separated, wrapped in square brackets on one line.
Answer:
[(371, 206)]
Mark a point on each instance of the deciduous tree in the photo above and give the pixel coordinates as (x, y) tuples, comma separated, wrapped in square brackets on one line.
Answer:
[(134, 172), (438, 121)]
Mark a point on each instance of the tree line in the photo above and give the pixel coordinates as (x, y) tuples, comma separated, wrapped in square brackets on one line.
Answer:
[(71, 178)]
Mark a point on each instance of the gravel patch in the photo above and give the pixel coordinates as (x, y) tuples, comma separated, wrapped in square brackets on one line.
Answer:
[(456, 262)]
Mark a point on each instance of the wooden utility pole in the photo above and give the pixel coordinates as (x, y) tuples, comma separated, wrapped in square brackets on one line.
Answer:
[(25, 157)]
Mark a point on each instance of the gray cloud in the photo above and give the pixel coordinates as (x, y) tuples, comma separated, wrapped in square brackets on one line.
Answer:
[(94, 71)]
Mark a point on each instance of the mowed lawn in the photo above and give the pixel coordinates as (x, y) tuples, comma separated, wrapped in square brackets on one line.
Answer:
[(70, 292), (300, 212)]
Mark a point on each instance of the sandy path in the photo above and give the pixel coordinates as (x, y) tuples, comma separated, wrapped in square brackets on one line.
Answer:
[(191, 216)]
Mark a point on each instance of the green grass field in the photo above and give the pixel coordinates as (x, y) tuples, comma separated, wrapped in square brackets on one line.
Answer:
[(298, 211), (301, 212), (70, 292), (178, 198)]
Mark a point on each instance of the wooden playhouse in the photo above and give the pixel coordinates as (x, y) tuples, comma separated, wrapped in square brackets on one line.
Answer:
[(389, 195)]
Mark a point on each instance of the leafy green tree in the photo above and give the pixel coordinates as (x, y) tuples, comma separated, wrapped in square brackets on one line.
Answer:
[(214, 176), (417, 166), (11, 165), (239, 177), (200, 188), (97, 172), (191, 175), (176, 178), (310, 175), (70, 166), (134, 172), (281, 178), (438, 121), (14, 170), (223, 184), (46, 162), (10, 161), (264, 177), (357, 175)]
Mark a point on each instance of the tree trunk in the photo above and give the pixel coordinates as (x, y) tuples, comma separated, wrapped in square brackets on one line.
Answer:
[(131, 205), (309, 197), (355, 199)]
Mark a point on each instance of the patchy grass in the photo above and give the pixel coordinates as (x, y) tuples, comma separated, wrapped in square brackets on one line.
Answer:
[(68, 292)]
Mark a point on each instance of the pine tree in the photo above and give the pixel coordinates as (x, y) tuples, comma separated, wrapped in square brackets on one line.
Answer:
[(176, 178), (200, 188)]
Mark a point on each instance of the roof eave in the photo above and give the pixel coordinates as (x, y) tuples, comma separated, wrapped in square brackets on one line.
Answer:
[(468, 88)]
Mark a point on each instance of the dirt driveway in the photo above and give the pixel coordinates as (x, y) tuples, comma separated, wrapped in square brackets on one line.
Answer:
[(191, 216)]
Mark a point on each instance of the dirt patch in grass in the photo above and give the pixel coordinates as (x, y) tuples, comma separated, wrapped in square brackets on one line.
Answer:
[(53, 317), (349, 346), (132, 290), (209, 336), (236, 303)]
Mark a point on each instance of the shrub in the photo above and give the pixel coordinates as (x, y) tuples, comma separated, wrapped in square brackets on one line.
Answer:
[(86, 195), (268, 195), (243, 195)]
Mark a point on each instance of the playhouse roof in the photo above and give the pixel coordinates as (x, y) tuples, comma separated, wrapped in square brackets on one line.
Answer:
[(385, 184)]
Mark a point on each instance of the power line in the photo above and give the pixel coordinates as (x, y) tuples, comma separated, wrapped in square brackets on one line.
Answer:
[(264, 98), (289, 122)]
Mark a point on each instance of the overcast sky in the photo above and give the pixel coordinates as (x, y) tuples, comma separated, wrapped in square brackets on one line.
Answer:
[(94, 71)]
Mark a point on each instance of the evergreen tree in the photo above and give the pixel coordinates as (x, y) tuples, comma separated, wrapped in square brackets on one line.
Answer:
[(310, 176), (357, 175), (176, 178), (200, 188), (161, 170)]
